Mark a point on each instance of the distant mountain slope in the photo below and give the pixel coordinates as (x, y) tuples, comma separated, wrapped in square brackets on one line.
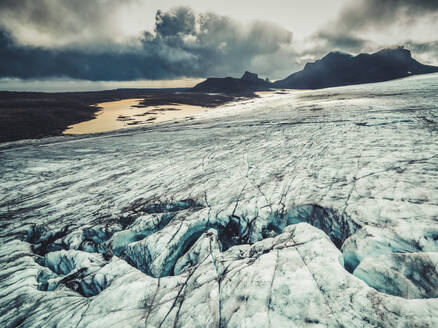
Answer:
[(337, 69), (248, 83)]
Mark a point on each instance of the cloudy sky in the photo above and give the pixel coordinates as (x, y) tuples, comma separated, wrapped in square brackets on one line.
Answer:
[(171, 42)]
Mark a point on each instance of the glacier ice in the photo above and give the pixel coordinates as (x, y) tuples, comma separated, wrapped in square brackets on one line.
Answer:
[(409, 275), (302, 209)]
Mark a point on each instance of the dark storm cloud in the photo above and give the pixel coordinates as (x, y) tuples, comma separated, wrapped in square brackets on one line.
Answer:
[(34, 62), (184, 43), (376, 13), (212, 43), (349, 32), (334, 41), (426, 51), (423, 46), (48, 14), (52, 23)]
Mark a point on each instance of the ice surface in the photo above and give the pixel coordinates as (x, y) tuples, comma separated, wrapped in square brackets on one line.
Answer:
[(306, 209)]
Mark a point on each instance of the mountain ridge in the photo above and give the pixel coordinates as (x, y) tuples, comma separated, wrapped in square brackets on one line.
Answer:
[(334, 69), (339, 69)]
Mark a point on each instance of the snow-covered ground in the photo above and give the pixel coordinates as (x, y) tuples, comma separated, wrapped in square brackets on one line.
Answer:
[(306, 209)]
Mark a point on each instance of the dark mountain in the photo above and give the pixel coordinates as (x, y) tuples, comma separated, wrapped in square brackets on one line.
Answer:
[(337, 69), (248, 83), (248, 76)]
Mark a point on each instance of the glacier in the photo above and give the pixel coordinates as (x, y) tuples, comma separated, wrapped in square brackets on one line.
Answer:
[(296, 209)]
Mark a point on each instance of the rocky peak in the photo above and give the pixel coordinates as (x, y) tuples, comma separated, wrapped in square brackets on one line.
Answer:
[(333, 55), (248, 76), (332, 58), (399, 51)]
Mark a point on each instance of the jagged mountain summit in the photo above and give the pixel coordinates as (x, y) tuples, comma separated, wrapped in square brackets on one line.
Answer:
[(339, 69), (248, 83), (248, 76)]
